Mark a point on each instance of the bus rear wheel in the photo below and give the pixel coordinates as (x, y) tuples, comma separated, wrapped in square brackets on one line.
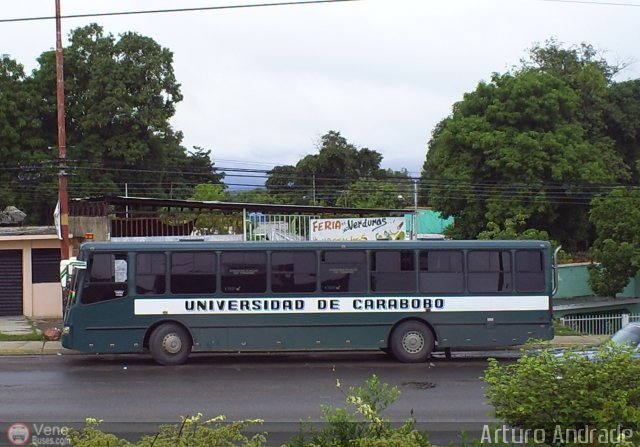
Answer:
[(170, 344), (412, 342)]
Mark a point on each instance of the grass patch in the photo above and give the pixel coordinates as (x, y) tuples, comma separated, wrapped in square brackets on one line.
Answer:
[(34, 335), (31, 336), (561, 329)]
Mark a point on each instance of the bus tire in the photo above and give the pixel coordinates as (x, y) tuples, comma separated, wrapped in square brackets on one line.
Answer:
[(412, 342), (170, 344)]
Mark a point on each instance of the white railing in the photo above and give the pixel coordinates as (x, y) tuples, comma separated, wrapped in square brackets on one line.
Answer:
[(598, 324), (277, 227)]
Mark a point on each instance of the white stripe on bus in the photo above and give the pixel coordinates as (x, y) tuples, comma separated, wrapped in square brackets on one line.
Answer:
[(317, 305)]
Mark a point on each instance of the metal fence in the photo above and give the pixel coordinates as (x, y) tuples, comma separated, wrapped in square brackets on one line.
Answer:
[(277, 227), (598, 324)]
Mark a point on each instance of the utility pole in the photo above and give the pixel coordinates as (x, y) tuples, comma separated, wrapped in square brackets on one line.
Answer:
[(62, 149), (415, 209)]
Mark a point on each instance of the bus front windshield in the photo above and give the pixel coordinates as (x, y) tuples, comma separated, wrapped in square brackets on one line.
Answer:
[(69, 278)]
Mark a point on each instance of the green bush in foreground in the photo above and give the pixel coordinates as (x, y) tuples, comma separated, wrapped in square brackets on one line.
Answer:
[(191, 432), (569, 399), (362, 426)]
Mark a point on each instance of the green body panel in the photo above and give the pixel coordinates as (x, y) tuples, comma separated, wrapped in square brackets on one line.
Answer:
[(110, 331)]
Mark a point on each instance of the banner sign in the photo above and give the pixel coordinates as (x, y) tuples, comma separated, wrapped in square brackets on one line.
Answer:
[(365, 229)]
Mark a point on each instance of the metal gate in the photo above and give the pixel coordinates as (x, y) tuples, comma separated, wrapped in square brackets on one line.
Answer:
[(10, 282)]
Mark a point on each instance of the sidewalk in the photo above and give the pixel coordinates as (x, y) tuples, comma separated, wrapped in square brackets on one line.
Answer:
[(20, 325)]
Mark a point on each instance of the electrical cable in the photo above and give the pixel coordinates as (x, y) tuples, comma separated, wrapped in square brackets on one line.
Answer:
[(164, 11)]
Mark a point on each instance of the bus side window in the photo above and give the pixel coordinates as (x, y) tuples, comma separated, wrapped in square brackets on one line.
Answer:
[(243, 271), (343, 271), (150, 273), (106, 279), (293, 271), (393, 271), (193, 272), (489, 271), (441, 271), (529, 271)]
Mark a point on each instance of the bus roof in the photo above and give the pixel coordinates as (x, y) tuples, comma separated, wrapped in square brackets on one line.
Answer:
[(313, 245)]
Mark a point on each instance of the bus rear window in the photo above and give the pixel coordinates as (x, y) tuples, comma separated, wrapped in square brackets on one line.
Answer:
[(193, 272), (244, 271), (529, 271), (343, 271)]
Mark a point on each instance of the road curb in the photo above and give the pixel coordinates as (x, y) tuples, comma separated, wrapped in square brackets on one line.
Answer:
[(33, 348)]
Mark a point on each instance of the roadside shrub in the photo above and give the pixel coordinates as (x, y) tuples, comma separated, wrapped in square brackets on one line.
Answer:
[(576, 398), (191, 432), (92, 436), (360, 423)]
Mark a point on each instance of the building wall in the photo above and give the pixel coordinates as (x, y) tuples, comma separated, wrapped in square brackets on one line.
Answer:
[(38, 300), (574, 282), (98, 226)]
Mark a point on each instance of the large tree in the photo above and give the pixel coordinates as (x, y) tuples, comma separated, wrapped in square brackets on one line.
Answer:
[(622, 118), (616, 217), (528, 146), (120, 94), (321, 178), (27, 164), (393, 190)]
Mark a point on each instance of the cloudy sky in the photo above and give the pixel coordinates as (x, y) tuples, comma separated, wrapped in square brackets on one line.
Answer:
[(262, 84)]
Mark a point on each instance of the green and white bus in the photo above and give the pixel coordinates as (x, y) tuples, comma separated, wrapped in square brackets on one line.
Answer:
[(405, 297)]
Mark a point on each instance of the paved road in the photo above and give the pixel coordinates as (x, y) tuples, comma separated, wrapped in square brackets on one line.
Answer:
[(134, 395)]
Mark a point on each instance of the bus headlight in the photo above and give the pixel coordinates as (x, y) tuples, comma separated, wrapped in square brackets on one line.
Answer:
[(66, 330)]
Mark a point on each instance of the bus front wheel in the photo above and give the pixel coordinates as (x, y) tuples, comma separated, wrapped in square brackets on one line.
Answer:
[(170, 344), (412, 342)]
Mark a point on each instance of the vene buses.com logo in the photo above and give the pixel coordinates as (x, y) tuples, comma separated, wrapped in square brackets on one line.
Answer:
[(18, 434)]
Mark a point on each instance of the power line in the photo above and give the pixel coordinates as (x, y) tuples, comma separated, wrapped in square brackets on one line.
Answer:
[(162, 11)]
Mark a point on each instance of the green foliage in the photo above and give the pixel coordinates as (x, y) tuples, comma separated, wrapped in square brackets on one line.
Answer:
[(364, 425), (316, 178), (616, 250), (92, 436), (572, 392), (26, 175), (553, 57), (561, 329), (209, 192), (372, 193), (513, 228), (256, 195), (623, 125), (525, 146), (614, 269), (120, 95), (191, 432)]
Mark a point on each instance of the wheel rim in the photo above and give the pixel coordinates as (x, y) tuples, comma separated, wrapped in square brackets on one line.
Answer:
[(413, 342), (172, 343)]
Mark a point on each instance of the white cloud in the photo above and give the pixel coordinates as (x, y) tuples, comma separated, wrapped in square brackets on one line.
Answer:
[(261, 85)]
